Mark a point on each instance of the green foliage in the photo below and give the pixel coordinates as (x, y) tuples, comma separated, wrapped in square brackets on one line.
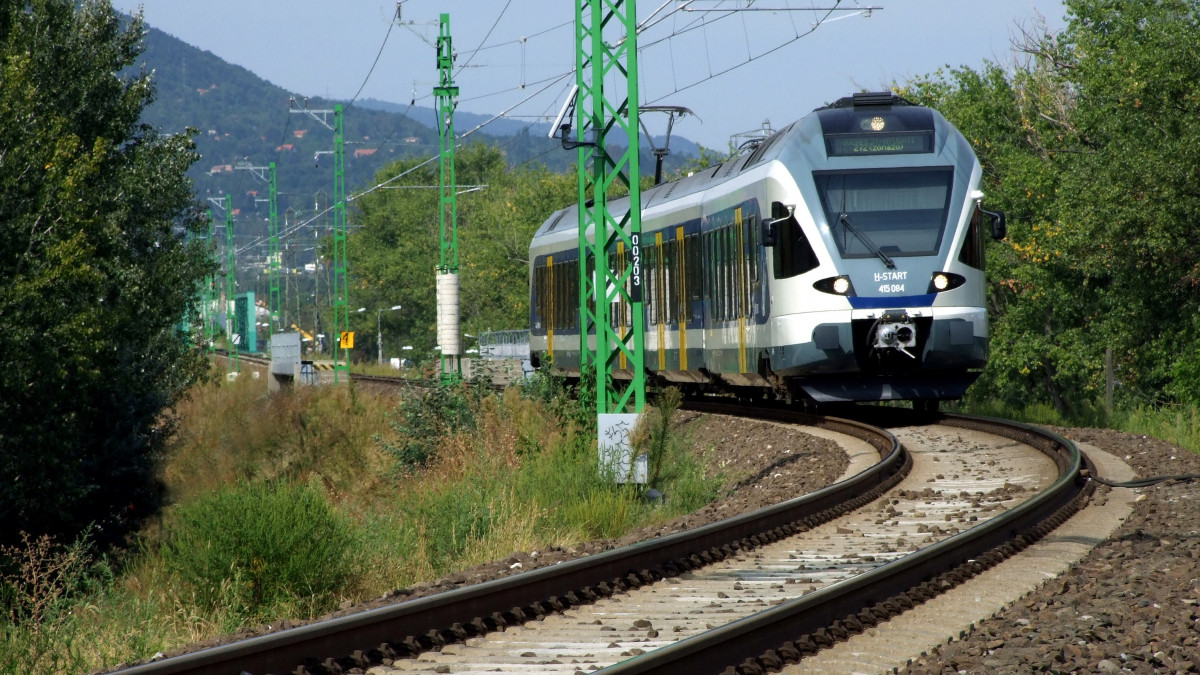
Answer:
[(396, 247), (260, 547), (94, 209), (421, 422), (1092, 146)]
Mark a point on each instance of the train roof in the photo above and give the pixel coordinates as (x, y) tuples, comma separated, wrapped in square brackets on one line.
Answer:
[(865, 123)]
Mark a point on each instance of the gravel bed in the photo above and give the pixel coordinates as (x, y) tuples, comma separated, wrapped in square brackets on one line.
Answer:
[(1131, 606)]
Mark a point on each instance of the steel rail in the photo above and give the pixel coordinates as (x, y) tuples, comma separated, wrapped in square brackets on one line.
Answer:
[(424, 623), (785, 633)]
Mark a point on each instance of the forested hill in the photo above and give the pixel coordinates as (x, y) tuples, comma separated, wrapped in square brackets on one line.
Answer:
[(240, 116)]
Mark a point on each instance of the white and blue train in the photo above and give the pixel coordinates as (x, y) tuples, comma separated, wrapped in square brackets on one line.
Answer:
[(840, 259)]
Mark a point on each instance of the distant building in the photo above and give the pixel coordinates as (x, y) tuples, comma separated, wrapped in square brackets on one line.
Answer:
[(299, 133), (221, 168), (286, 146), (365, 152)]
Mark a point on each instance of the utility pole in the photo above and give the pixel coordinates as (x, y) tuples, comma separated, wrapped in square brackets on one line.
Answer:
[(606, 38), (274, 297), (230, 288), (210, 293), (341, 316), (446, 95)]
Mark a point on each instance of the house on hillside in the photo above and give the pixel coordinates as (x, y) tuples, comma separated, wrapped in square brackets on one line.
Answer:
[(365, 152)]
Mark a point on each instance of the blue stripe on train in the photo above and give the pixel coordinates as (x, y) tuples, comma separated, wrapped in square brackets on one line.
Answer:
[(925, 300)]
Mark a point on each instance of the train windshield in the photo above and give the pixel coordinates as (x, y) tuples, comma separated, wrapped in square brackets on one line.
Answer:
[(886, 213)]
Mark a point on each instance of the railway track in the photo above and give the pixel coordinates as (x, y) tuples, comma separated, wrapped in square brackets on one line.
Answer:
[(792, 596)]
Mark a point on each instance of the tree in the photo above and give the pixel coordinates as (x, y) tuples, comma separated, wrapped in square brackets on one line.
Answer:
[(394, 250), (96, 269), (1092, 144)]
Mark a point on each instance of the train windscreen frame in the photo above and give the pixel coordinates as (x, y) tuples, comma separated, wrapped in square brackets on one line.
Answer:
[(901, 212)]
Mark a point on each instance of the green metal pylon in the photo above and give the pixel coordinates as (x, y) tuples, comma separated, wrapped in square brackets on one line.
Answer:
[(210, 293), (341, 312), (273, 273), (235, 365), (446, 95), (598, 113)]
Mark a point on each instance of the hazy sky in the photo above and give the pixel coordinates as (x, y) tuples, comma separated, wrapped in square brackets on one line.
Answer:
[(775, 66)]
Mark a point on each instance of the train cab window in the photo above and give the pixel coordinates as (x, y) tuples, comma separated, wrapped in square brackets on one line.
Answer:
[(973, 245), (793, 254), (899, 212)]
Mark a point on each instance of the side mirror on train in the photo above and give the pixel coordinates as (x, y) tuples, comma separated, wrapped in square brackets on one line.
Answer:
[(769, 233), (770, 226), (999, 224)]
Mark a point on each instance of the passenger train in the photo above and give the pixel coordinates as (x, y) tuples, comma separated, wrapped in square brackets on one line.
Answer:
[(840, 259)]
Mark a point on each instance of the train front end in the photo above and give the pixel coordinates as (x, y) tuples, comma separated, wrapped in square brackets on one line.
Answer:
[(879, 289)]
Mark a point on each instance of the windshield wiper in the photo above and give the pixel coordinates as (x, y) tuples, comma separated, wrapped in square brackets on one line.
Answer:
[(843, 218)]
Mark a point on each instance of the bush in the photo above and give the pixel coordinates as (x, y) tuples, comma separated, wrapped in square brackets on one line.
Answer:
[(260, 547), (423, 421)]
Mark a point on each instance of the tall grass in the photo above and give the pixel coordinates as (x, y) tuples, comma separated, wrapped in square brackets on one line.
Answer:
[(1179, 424), (263, 485), (236, 431)]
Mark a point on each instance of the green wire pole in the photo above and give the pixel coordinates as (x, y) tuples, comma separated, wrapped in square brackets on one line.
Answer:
[(601, 61), (273, 274), (210, 293), (446, 95), (235, 365), (341, 312)]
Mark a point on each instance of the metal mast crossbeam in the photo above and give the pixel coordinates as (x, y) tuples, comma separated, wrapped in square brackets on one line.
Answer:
[(606, 34), (446, 95)]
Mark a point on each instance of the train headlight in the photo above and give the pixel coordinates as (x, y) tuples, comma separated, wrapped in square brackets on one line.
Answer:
[(945, 281), (835, 285)]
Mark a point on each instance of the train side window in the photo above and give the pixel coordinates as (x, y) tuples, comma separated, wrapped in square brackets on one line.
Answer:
[(650, 289), (726, 272), (755, 262), (706, 271), (539, 285), (973, 246), (719, 287), (794, 255)]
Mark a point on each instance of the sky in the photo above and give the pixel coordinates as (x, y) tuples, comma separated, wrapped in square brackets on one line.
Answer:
[(734, 70)]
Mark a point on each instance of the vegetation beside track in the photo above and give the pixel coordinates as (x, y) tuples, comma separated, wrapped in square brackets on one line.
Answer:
[(254, 479)]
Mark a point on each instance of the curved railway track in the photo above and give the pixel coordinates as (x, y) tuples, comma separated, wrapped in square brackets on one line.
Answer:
[(788, 601)]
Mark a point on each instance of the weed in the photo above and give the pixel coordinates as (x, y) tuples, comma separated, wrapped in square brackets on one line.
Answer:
[(38, 589)]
